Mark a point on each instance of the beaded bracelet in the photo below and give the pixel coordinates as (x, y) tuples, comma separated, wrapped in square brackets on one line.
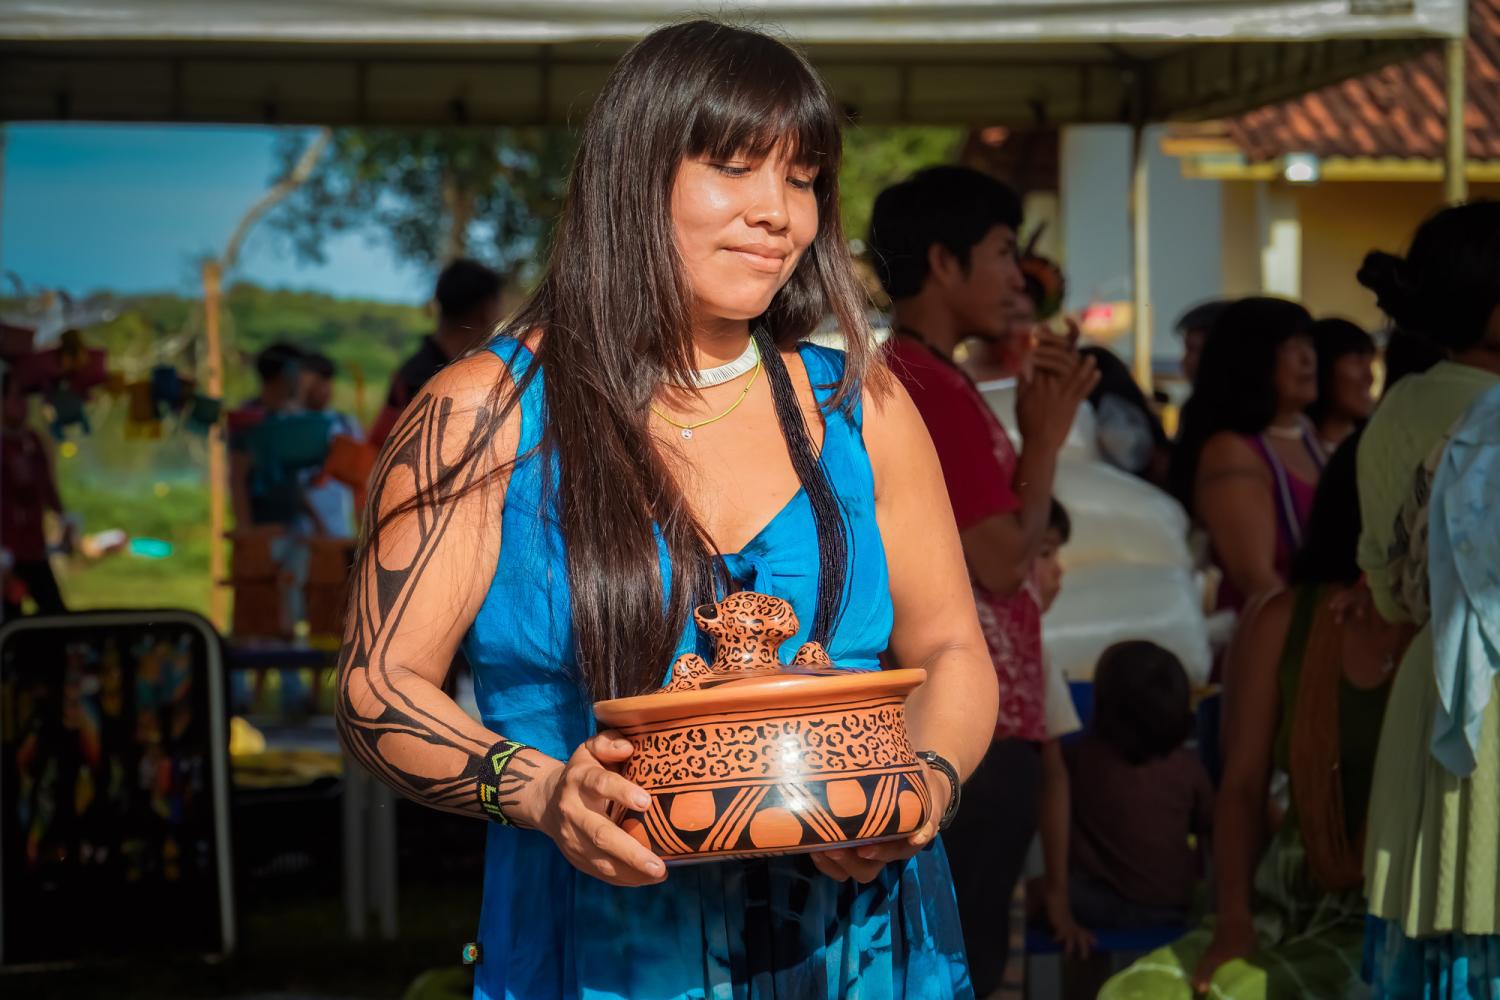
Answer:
[(492, 776)]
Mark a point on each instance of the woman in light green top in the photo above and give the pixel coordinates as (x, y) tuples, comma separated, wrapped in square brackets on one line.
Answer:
[(1433, 837)]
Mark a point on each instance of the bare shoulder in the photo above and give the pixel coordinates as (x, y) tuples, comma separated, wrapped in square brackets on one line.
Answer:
[(894, 431), (465, 415), (1227, 451)]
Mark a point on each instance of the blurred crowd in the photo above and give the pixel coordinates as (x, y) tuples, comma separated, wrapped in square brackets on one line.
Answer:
[(1307, 458)]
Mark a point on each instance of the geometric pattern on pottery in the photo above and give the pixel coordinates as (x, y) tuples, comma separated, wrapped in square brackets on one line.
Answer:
[(761, 818), (776, 781), (850, 739)]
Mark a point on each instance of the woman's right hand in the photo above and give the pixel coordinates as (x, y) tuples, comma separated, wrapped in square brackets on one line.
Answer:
[(574, 800), (1232, 939)]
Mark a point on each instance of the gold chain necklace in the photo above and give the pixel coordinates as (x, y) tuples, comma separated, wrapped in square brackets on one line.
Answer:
[(687, 429)]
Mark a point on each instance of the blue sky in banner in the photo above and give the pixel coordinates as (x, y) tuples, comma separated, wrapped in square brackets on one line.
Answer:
[(130, 208)]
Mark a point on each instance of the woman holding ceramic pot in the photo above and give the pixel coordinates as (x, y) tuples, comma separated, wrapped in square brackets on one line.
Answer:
[(652, 430)]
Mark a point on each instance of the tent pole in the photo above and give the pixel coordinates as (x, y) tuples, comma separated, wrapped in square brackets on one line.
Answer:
[(218, 475), (1140, 243), (1455, 167)]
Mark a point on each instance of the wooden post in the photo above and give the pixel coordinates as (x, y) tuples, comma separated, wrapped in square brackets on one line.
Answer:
[(218, 466), (1455, 165), (1140, 256)]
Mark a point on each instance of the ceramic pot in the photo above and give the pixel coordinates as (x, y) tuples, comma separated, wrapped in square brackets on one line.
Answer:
[(746, 757)]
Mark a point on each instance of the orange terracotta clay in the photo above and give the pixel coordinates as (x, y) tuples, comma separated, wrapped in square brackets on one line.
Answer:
[(745, 757)]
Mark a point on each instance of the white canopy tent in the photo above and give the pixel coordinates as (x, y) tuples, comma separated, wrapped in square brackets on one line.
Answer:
[(445, 62), (535, 61), (481, 62)]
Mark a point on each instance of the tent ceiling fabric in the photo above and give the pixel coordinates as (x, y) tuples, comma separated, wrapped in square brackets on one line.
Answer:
[(488, 62)]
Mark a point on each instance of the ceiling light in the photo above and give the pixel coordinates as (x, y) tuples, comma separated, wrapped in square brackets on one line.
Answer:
[(1300, 168)]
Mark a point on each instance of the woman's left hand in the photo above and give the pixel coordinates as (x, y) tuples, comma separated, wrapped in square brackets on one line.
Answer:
[(863, 864)]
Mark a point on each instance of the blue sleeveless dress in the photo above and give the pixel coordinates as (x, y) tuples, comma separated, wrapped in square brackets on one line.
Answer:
[(733, 930)]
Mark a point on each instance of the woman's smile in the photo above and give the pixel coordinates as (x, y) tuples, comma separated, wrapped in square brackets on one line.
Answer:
[(761, 257)]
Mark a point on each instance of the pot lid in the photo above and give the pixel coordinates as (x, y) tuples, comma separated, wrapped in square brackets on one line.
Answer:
[(788, 688), (746, 674)]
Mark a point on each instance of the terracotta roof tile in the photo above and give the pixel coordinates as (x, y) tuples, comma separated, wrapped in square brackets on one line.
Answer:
[(1396, 111)]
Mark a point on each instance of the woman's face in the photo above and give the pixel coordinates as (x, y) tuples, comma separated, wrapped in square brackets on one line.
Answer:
[(1353, 386), (741, 227), (1296, 374)]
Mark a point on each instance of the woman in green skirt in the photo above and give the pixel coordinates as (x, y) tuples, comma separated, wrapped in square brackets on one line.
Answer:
[(1305, 693), (1434, 840)]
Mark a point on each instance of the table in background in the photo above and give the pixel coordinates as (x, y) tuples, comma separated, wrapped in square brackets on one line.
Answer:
[(368, 806)]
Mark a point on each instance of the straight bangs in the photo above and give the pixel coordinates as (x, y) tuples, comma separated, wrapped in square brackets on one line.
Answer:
[(754, 110), (761, 97)]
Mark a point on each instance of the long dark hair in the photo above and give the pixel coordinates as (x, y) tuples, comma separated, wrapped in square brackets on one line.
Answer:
[(1335, 338), (1330, 553), (617, 325), (1445, 288), (1236, 385)]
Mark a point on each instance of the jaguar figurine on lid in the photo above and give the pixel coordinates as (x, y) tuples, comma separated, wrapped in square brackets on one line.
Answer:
[(746, 757)]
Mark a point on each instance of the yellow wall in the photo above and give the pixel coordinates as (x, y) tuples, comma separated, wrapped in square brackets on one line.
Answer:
[(1240, 255), (1341, 222)]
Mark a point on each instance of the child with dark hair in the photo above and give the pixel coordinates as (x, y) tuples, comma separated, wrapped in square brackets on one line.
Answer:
[(1139, 796), (1048, 567), (1053, 808)]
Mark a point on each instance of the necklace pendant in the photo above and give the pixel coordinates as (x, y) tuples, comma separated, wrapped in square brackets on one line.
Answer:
[(687, 433)]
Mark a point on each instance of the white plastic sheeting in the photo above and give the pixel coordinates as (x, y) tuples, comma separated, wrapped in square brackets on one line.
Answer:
[(492, 61), (893, 22), (1104, 604), (1130, 572)]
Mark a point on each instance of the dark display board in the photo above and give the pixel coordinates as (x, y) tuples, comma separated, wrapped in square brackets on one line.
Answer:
[(114, 788)]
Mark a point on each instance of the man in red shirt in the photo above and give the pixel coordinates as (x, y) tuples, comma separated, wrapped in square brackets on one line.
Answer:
[(944, 247)]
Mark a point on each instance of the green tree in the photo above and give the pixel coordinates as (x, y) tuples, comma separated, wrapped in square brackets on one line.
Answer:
[(493, 193), (876, 157), (432, 194)]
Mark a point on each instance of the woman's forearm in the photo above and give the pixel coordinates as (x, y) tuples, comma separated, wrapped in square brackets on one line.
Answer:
[(406, 732), (1239, 823), (953, 713)]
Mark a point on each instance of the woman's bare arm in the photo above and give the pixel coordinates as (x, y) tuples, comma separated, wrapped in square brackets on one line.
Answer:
[(1234, 500), (1250, 699), (935, 626), (418, 586), (419, 583)]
